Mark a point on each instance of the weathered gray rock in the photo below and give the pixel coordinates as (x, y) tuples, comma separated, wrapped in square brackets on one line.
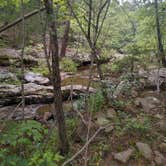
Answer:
[(162, 147), (36, 78), (111, 113), (134, 93), (148, 103), (9, 56), (102, 119), (14, 112), (79, 58), (30, 61), (153, 77), (4, 60), (145, 150), (34, 94), (123, 156), (119, 89), (7, 77), (109, 129), (159, 158), (162, 125)]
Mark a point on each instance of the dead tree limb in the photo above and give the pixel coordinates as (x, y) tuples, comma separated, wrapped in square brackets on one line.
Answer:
[(26, 16), (84, 147)]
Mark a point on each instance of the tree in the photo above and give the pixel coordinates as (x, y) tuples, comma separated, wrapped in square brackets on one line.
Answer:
[(90, 18), (65, 38), (56, 79), (159, 36), (22, 58)]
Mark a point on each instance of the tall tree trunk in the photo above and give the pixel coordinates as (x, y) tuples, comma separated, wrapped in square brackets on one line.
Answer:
[(22, 59), (56, 79), (65, 39), (159, 36)]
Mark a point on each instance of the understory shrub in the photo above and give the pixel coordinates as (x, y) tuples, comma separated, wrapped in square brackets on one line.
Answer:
[(22, 144), (68, 65)]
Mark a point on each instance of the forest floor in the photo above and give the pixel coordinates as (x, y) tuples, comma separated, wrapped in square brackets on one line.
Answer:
[(135, 113)]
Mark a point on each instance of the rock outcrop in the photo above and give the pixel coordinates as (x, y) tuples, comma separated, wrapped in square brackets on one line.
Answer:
[(151, 78), (34, 94)]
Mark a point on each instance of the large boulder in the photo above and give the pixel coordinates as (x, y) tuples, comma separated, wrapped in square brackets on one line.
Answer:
[(148, 103), (7, 56), (12, 57), (161, 126), (123, 156), (4, 60), (159, 158), (80, 58), (14, 112), (29, 61), (162, 147), (31, 77), (145, 150), (151, 78)]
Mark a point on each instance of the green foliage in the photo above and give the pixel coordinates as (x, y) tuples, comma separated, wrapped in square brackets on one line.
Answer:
[(104, 56), (47, 158), (68, 65), (96, 102), (106, 68), (124, 123), (138, 125), (24, 133), (19, 140), (42, 69), (119, 105), (115, 68), (10, 81), (124, 64), (80, 103), (71, 124)]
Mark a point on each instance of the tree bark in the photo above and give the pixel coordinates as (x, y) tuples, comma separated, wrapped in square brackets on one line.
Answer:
[(56, 79), (22, 59), (159, 36), (65, 39)]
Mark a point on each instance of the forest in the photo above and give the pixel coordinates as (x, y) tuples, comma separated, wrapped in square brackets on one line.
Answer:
[(82, 83)]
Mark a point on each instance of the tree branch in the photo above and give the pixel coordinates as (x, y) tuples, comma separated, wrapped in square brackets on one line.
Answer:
[(26, 16)]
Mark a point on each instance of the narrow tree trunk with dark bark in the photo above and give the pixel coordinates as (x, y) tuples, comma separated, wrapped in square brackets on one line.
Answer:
[(65, 39), (159, 36), (56, 79), (22, 59)]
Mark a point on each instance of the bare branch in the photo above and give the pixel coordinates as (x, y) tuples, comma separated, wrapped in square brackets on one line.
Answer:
[(85, 146)]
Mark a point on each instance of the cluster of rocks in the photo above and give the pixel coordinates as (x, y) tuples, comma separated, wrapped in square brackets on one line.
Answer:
[(149, 103), (153, 78), (81, 59), (145, 150), (12, 57)]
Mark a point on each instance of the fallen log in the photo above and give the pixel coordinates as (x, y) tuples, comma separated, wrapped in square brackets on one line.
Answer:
[(26, 16)]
